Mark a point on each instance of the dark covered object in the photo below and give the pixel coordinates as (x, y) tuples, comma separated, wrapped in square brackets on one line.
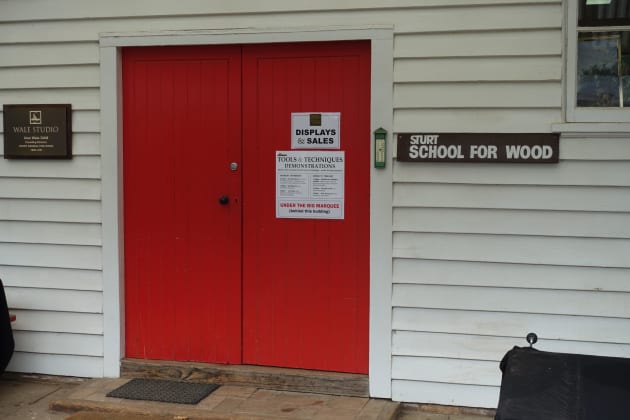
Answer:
[(540, 385), (6, 334)]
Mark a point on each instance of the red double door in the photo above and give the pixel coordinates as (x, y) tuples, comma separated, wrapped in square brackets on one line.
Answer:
[(210, 273)]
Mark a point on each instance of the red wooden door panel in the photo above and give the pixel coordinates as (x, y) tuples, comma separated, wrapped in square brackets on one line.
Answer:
[(206, 281), (306, 282), (182, 122)]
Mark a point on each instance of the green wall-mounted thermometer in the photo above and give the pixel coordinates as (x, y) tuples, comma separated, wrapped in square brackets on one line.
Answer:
[(380, 147)]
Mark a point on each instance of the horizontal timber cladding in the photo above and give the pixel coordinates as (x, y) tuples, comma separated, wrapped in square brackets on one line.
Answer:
[(542, 301), (492, 274), (49, 54), (55, 300), (59, 322), (413, 18), (76, 76), (50, 188), (86, 167), (489, 94), (51, 255), (569, 173), (81, 98), (41, 277), (432, 9), (473, 347), (588, 252), (510, 196), (449, 393), (59, 343), (464, 69), (495, 119), (541, 249), (516, 222), (509, 325), (57, 364), (50, 233), (50, 210)]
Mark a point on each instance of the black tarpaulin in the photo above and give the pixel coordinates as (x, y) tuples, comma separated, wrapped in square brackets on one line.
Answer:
[(540, 385), (6, 334)]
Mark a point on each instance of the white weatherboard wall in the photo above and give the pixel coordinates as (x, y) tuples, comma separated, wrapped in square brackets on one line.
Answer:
[(483, 253), (50, 211)]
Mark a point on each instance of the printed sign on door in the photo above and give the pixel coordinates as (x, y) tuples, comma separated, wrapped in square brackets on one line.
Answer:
[(315, 130), (310, 184)]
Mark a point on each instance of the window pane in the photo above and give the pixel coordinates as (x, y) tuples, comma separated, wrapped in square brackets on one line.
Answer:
[(604, 13), (603, 74)]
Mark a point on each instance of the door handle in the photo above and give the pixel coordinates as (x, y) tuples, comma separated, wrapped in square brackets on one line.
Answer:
[(224, 199)]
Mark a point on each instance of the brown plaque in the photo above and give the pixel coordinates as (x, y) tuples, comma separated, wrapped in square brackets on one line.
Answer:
[(315, 120), (477, 147), (37, 131)]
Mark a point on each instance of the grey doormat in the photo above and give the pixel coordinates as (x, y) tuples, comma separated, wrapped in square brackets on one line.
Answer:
[(163, 390)]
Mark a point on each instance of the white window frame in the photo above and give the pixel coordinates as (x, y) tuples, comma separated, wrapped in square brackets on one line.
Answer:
[(573, 112)]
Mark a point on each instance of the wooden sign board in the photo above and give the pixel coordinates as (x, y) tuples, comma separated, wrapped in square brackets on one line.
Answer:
[(37, 131), (476, 147)]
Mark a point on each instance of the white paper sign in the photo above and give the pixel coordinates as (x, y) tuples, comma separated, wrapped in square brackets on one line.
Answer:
[(322, 134), (310, 184)]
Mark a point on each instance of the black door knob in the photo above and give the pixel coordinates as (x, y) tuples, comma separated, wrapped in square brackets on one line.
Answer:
[(224, 199)]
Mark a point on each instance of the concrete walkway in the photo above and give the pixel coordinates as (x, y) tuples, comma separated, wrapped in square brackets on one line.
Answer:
[(23, 398), (57, 398)]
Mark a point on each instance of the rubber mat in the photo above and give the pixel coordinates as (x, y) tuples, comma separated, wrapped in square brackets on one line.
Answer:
[(163, 390)]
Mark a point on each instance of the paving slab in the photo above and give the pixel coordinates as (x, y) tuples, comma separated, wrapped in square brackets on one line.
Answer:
[(227, 402), (409, 411), (86, 415), (28, 397), (35, 397)]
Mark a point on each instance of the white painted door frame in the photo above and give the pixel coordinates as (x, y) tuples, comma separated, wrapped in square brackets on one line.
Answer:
[(380, 179)]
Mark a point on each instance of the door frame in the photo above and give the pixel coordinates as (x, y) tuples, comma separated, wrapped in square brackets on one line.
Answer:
[(381, 190)]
